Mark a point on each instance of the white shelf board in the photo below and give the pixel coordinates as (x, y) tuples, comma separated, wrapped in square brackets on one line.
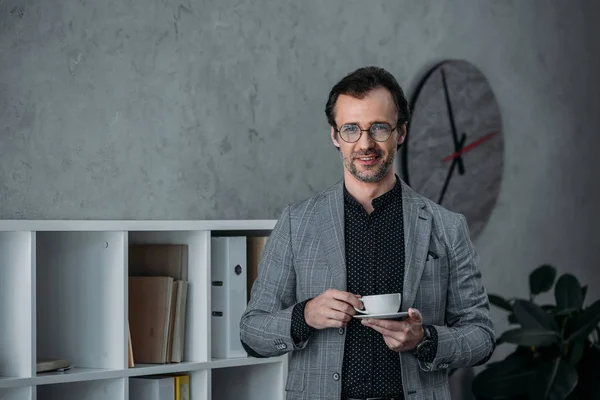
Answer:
[(135, 225), (6, 382), (243, 361), (92, 374), (160, 369), (77, 375)]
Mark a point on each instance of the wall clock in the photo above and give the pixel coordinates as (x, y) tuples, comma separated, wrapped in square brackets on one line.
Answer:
[(454, 149)]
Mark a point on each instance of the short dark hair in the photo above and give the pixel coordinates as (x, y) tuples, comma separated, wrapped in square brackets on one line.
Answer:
[(359, 83)]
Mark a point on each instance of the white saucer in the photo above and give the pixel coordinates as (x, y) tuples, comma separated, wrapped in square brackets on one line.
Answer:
[(397, 315)]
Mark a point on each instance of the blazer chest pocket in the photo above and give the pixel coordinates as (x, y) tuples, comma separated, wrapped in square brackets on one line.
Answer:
[(433, 288), (435, 272)]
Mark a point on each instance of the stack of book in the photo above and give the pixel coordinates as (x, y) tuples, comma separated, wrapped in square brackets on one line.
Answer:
[(158, 286)]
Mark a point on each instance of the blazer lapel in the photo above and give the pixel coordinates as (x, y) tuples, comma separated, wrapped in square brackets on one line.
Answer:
[(417, 232), (332, 234)]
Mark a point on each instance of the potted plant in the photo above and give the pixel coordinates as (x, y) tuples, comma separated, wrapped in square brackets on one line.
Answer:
[(557, 354)]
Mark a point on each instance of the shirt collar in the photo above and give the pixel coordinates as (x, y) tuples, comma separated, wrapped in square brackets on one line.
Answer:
[(389, 197)]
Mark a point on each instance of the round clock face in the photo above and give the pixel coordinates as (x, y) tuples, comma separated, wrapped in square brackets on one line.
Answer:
[(454, 150)]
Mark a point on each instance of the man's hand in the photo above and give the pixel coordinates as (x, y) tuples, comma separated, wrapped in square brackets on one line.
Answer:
[(331, 309), (399, 335)]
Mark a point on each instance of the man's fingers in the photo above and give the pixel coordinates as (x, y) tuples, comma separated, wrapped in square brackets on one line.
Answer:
[(338, 315), (352, 299), (382, 330), (342, 306), (415, 314), (390, 325), (334, 323), (346, 297), (394, 342)]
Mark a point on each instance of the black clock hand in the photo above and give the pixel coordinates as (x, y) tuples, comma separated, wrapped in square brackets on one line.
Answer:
[(461, 166), (463, 138)]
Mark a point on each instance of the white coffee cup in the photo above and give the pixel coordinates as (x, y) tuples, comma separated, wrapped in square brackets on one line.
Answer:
[(381, 303)]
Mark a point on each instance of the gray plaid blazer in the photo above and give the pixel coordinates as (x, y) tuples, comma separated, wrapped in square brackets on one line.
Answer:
[(304, 256)]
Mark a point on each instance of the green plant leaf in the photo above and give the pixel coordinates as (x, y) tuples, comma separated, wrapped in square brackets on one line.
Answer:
[(548, 307), (530, 336), (499, 302), (585, 323), (576, 352), (567, 293), (553, 380), (512, 319), (531, 315), (503, 379), (541, 279), (584, 290)]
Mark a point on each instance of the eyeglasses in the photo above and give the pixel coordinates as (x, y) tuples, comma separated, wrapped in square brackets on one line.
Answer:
[(379, 132)]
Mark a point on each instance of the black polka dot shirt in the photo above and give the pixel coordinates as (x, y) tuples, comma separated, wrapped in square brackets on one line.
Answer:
[(375, 265)]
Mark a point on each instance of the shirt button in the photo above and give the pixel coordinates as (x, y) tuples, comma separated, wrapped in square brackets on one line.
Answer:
[(336, 376), (341, 331)]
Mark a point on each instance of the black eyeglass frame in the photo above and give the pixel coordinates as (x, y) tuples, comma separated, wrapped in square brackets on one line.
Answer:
[(392, 129)]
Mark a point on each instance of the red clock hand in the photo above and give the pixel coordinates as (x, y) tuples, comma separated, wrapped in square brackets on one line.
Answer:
[(471, 146)]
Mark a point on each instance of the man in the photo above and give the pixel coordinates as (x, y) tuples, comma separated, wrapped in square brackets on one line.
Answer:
[(368, 234)]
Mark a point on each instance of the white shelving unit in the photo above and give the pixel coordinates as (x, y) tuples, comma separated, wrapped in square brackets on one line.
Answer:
[(63, 294)]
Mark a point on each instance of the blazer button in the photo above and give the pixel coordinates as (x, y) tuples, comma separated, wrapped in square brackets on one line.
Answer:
[(341, 331), (336, 376)]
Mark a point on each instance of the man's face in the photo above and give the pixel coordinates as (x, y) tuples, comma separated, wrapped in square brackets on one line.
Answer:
[(366, 159)]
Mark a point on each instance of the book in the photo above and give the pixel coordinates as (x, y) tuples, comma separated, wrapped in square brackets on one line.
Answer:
[(182, 387), (254, 246), (159, 260), (130, 362), (150, 300), (178, 337), (51, 365)]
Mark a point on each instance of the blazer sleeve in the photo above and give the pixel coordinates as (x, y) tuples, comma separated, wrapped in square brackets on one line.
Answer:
[(265, 326), (468, 338)]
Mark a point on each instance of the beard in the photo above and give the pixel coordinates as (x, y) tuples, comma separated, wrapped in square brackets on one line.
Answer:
[(369, 173)]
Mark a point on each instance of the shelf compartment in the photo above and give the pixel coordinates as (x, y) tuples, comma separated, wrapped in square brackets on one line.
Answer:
[(110, 389), (252, 382), (197, 324), (18, 393), (17, 258), (231, 249), (198, 382), (80, 286)]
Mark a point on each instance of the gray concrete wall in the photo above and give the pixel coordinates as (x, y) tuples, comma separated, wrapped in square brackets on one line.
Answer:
[(204, 109)]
